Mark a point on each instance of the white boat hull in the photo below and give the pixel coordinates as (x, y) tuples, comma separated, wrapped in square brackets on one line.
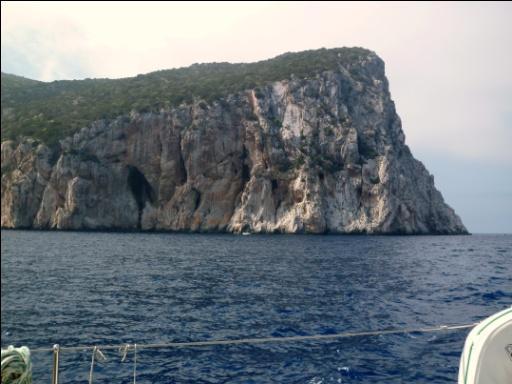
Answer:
[(487, 355)]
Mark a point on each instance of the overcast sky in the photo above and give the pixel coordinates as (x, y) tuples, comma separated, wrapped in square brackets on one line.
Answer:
[(449, 67)]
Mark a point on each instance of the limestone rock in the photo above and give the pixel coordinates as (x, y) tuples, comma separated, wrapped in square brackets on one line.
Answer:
[(316, 155)]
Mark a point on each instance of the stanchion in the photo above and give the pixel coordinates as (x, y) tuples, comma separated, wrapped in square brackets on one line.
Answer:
[(55, 370)]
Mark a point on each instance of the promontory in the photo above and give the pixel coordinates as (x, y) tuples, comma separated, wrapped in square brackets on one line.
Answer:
[(306, 142)]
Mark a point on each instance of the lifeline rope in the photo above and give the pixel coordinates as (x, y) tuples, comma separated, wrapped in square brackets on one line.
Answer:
[(124, 347)]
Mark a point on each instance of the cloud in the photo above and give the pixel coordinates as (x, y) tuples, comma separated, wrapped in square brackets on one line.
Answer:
[(44, 49), (448, 64)]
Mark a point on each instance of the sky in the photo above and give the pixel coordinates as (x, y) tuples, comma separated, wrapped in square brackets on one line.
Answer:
[(449, 66)]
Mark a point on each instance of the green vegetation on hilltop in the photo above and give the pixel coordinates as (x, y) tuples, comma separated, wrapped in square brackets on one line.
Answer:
[(51, 111)]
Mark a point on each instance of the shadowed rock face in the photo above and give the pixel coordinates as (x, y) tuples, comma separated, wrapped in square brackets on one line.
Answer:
[(322, 154)]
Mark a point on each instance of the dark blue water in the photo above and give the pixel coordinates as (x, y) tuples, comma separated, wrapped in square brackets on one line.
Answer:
[(108, 288)]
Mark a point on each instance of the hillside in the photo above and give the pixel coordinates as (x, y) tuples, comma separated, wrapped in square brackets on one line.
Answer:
[(51, 111)]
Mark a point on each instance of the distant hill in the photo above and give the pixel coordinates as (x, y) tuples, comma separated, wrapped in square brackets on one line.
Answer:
[(51, 111)]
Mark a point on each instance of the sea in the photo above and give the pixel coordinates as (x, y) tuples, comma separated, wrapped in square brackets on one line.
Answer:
[(93, 288)]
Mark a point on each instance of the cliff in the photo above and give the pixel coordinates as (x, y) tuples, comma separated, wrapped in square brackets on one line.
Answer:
[(318, 153)]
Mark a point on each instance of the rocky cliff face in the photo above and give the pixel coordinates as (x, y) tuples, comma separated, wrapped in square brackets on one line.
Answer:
[(321, 154)]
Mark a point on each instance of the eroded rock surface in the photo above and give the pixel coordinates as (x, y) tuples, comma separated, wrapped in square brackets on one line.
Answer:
[(322, 154)]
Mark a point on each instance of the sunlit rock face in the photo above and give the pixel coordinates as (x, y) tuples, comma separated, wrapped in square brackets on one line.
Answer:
[(316, 155)]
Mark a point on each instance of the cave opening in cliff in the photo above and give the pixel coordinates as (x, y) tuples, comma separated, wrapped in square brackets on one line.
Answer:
[(246, 170), (274, 184), (140, 187), (197, 198), (246, 174)]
